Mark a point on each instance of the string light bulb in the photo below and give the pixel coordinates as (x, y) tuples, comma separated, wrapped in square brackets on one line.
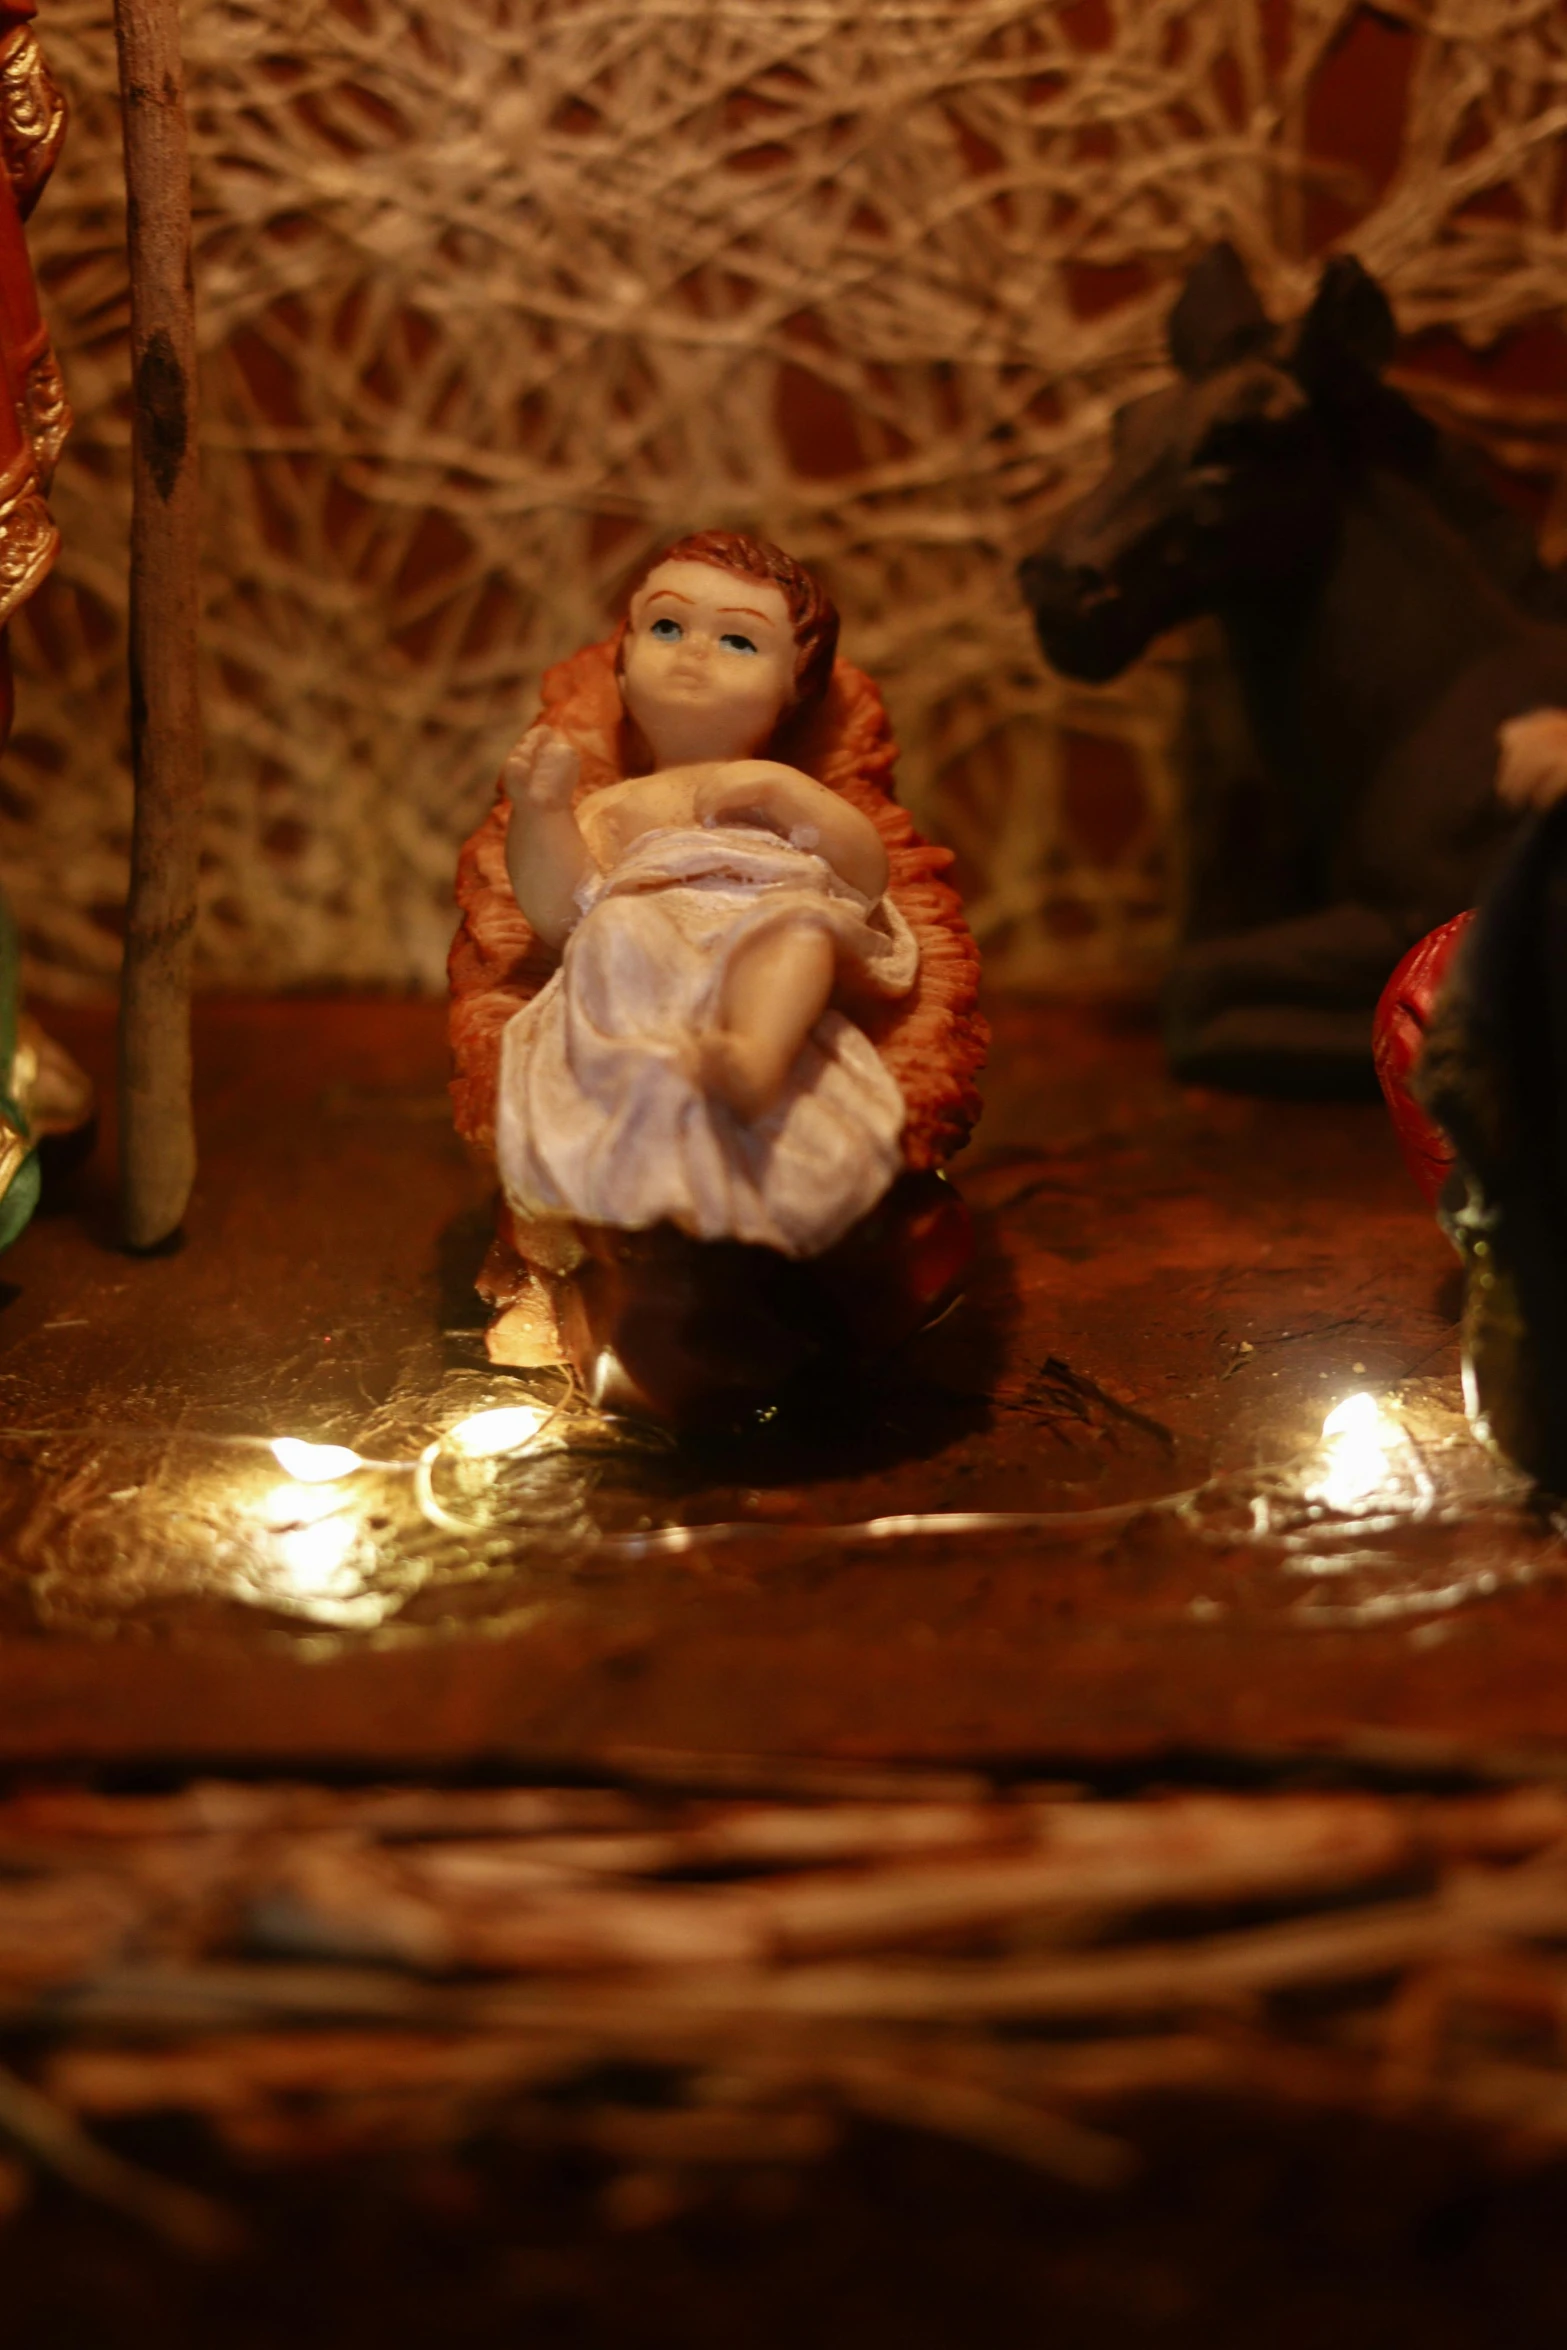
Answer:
[(484, 1436), (314, 1464), (1355, 1441)]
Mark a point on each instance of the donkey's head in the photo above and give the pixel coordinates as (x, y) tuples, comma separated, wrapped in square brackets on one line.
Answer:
[(1221, 485)]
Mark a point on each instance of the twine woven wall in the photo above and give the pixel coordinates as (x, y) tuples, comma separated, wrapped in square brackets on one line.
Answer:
[(498, 294)]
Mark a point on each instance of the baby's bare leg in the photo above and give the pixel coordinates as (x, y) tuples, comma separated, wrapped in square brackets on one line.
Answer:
[(775, 990)]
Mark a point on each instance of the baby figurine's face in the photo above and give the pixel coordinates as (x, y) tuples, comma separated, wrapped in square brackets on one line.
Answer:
[(708, 668)]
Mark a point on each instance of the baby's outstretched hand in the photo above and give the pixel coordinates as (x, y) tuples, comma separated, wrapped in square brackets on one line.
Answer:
[(541, 771), (1532, 772)]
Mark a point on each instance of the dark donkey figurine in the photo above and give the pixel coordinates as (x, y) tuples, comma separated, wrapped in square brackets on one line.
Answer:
[(1384, 614)]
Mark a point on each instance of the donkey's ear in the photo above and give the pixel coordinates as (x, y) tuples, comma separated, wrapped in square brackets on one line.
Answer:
[(1217, 318), (1349, 329)]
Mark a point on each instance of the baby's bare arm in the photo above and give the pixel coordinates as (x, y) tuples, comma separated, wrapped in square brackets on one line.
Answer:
[(761, 791), (546, 856)]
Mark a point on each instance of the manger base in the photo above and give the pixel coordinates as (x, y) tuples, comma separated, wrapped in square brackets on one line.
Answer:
[(659, 1326)]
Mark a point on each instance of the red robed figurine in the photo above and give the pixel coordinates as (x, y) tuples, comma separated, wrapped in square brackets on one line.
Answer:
[(36, 417), (1471, 1047), (42, 1092)]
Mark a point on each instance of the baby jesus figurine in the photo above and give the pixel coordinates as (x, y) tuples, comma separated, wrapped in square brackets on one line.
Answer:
[(709, 1062), (684, 1064)]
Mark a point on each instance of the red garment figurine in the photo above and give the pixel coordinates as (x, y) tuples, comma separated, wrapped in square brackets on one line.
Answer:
[(1471, 1049), (42, 1092)]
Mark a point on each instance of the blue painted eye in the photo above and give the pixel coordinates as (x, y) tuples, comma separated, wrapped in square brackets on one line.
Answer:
[(734, 642), (668, 632)]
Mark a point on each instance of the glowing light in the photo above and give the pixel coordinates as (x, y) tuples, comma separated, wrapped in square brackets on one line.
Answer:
[(314, 1464), (1357, 1417), (485, 1435), (298, 1505), (316, 1558), (1355, 1443)]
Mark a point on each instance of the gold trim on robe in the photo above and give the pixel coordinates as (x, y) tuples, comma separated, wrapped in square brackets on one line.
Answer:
[(32, 124), (32, 115), (45, 411), (29, 539)]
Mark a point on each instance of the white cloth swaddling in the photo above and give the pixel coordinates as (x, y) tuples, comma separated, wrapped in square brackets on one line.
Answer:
[(599, 1116)]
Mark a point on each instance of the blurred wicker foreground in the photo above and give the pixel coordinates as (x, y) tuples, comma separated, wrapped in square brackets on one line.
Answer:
[(693, 1981)]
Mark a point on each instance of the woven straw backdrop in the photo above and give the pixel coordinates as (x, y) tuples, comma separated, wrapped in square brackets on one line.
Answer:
[(498, 294)]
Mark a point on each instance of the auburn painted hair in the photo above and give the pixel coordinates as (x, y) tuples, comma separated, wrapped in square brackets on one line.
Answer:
[(812, 615)]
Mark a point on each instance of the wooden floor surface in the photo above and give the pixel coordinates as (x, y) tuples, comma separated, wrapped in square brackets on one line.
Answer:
[(1173, 1288)]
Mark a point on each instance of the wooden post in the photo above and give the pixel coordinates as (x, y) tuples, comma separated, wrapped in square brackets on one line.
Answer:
[(157, 1136)]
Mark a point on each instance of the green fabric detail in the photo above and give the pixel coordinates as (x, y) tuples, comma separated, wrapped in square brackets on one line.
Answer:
[(21, 1195), (20, 1199)]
